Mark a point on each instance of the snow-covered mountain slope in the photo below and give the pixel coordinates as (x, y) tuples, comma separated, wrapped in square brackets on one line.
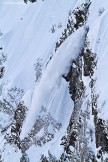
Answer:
[(53, 81)]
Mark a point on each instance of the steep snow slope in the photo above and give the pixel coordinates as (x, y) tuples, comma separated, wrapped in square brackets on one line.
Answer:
[(53, 92)]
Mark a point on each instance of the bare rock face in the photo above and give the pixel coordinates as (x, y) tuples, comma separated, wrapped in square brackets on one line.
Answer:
[(30, 1), (63, 103)]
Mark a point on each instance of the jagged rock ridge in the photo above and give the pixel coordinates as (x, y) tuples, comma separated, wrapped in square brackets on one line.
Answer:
[(53, 107)]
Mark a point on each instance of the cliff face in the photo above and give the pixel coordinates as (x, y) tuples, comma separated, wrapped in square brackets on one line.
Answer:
[(53, 81)]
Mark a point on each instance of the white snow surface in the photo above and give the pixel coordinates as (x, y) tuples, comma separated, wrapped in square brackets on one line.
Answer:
[(26, 37)]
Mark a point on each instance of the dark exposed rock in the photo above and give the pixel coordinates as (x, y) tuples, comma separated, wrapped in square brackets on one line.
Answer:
[(89, 63), (30, 1), (76, 131), (74, 77), (80, 14), (101, 136), (19, 116), (24, 158)]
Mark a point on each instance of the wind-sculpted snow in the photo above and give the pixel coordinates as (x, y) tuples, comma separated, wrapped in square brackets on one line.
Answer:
[(53, 81)]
